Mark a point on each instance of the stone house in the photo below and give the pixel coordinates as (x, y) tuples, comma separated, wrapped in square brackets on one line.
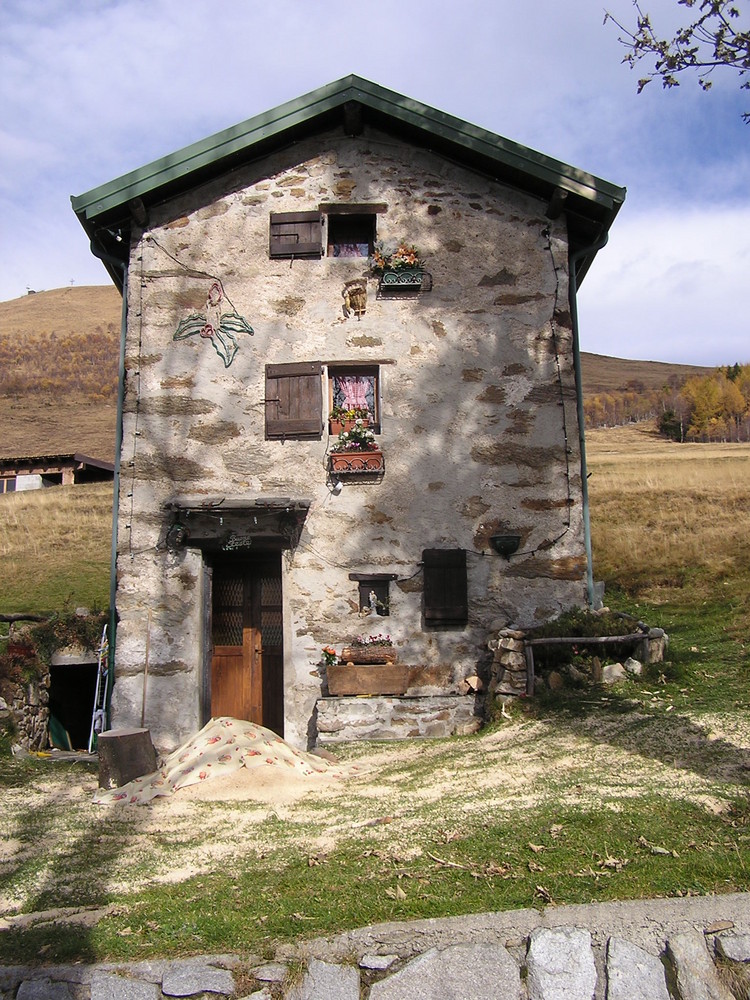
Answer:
[(251, 311)]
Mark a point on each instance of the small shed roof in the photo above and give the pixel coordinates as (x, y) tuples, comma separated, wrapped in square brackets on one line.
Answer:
[(107, 212)]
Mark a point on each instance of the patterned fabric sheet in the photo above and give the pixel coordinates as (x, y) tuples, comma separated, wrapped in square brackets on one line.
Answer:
[(223, 745)]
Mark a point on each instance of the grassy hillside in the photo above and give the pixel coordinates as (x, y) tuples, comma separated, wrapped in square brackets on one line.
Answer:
[(603, 374), (58, 372)]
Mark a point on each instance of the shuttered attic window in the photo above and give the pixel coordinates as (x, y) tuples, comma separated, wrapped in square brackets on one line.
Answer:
[(446, 600), (294, 400), (296, 234)]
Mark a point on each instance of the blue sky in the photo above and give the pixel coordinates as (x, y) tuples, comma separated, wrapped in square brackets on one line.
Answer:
[(91, 89)]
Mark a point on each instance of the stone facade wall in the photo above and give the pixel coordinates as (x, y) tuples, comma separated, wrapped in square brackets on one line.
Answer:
[(478, 426)]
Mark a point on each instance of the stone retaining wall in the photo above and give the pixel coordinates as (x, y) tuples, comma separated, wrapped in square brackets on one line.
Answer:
[(509, 672)]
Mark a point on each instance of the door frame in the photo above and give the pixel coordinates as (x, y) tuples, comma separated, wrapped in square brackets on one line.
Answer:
[(256, 559)]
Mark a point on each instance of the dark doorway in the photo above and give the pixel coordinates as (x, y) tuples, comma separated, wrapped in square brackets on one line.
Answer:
[(247, 656), (71, 701)]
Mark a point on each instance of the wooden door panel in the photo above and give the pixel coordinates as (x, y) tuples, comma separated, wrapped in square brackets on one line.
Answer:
[(246, 678)]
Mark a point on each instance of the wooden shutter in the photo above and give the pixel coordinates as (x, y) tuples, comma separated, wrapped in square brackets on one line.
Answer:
[(446, 599), (296, 234), (294, 400)]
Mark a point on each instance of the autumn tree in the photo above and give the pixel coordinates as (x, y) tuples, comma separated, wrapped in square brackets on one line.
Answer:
[(714, 39)]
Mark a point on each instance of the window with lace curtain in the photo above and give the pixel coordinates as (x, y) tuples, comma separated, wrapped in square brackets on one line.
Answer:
[(357, 389)]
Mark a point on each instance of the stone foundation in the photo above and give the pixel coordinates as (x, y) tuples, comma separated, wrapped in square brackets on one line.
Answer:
[(341, 720), (29, 705)]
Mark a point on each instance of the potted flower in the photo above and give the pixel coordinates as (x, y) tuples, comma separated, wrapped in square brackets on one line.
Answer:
[(402, 265), (368, 667), (356, 450), (343, 418), (369, 649)]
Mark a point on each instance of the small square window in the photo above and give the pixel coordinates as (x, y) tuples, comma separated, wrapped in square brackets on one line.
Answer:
[(374, 594), (351, 235), (355, 389)]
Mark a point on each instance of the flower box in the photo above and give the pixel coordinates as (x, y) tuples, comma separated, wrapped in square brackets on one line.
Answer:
[(388, 679), (348, 462), (337, 426), (403, 277), (371, 653)]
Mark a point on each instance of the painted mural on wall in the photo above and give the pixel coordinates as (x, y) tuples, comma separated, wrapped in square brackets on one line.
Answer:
[(221, 328)]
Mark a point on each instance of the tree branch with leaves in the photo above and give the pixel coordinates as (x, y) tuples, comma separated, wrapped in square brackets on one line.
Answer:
[(715, 39)]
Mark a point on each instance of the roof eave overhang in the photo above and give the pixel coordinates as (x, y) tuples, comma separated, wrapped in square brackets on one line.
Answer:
[(105, 212)]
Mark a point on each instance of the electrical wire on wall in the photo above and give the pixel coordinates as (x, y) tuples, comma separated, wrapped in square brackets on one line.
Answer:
[(136, 376), (192, 272), (553, 331)]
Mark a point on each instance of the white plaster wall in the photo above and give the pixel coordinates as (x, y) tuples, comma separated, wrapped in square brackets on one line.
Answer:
[(476, 377)]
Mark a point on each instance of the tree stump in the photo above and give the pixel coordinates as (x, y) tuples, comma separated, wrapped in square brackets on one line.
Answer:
[(124, 754)]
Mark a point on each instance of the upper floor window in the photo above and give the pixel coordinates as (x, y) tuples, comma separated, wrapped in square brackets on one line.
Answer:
[(336, 230)]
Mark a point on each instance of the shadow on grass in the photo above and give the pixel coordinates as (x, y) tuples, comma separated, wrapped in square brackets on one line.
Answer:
[(631, 722), (70, 894)]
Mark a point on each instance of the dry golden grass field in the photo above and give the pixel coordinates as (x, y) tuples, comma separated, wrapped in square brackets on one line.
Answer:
[(665, 514)]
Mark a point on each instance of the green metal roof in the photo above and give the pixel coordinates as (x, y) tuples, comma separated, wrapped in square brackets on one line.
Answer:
[(591, 203)]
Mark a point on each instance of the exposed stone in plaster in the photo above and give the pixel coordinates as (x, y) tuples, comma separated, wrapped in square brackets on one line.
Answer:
[(515, 368), (510, 299), (566, 568), (212, 211), (144, 361), (520, 422), (178, 381), (168, 406), (439, 329), (290, 305), (178, 223), (435, 487), (502, 277), (291, 181), (473, 374), (511, 453), (378, 516), (344, 188), (187, 580), (364, 341), (550, 392), (546, 503), (474, 507), (215, 433), (492, 394), (453, 246), (178, 468)]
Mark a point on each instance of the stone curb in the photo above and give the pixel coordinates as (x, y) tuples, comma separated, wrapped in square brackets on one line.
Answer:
[(638, 950)]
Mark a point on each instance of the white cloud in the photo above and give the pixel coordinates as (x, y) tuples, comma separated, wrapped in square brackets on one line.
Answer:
[(672, 285)]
